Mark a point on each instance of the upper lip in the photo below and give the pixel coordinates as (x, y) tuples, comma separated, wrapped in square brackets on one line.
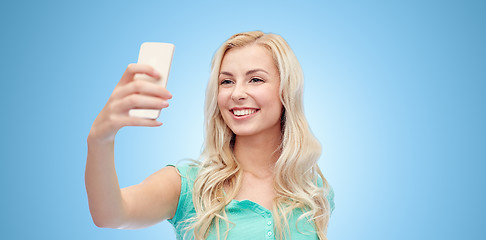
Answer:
[(243, 108)]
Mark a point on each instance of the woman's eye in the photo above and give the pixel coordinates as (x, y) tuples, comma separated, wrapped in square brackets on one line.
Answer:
[(226, 81), (256, 80)]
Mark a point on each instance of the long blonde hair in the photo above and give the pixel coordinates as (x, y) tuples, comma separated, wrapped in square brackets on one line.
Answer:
[(296, 170)]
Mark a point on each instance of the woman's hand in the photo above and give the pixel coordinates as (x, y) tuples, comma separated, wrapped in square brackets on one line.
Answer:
[(130, 94)]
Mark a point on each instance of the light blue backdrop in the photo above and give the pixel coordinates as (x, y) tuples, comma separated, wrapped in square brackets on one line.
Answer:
[(395, 92)]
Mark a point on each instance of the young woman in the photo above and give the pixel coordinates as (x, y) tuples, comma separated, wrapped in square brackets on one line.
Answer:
[(258, 178)]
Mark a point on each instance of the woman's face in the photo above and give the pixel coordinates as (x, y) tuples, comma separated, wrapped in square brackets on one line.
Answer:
[(248, 94)]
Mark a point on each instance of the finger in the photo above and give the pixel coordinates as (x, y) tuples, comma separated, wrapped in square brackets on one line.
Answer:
[(138, 101), (142, 87), (135, 68), (135, 121)]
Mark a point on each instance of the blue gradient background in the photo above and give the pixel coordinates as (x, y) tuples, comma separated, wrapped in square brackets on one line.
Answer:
[(395, 92)]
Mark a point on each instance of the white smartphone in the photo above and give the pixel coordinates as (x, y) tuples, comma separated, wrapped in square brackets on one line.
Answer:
[(159, 56)]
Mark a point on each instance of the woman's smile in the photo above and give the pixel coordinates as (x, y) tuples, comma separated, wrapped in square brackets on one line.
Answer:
[(241, 113)]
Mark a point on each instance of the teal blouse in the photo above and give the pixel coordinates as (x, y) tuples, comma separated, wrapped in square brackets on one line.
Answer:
[(251, 221)]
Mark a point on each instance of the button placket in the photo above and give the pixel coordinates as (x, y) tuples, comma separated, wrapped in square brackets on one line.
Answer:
[(268, 223), (269, 227)]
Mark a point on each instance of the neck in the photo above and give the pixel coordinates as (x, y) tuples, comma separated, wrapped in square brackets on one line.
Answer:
[(257, 155)]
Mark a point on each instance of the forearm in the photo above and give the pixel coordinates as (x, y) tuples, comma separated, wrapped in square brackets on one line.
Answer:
[(104, 194), (109, 205)]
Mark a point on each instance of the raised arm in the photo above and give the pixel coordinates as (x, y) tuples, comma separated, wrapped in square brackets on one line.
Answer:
[(144, 204)]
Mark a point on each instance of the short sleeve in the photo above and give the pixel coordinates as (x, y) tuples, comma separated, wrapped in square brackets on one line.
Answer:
[(330, 198), (329, 193), (185, 207)]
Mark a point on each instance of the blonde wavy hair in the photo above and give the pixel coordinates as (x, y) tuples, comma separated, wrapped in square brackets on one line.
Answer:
[(296, 170)]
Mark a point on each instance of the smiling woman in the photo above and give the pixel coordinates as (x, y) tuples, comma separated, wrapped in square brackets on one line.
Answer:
[(258, 177)]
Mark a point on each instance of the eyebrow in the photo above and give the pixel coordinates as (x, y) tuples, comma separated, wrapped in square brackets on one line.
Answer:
[(247, 73)]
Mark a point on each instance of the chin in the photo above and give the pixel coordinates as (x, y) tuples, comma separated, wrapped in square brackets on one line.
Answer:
[(243, 133)]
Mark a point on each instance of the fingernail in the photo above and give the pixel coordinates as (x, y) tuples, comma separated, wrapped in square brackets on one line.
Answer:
[(156, 74)]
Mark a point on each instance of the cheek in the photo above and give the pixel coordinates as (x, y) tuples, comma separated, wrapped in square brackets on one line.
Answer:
[(273, 101), (220, 99), (269, 97), (223, 100)]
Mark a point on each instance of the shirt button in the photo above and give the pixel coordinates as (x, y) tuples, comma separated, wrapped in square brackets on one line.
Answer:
[(269, 233), (269, 223)]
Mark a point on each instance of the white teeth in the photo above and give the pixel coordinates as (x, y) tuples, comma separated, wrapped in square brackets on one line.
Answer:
[(243, 112)]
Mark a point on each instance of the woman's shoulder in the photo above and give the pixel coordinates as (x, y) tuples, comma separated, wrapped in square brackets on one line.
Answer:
[(328, 191), (185, 209)]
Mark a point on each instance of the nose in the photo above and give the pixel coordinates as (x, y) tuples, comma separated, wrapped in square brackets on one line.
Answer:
[(239, 92)]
